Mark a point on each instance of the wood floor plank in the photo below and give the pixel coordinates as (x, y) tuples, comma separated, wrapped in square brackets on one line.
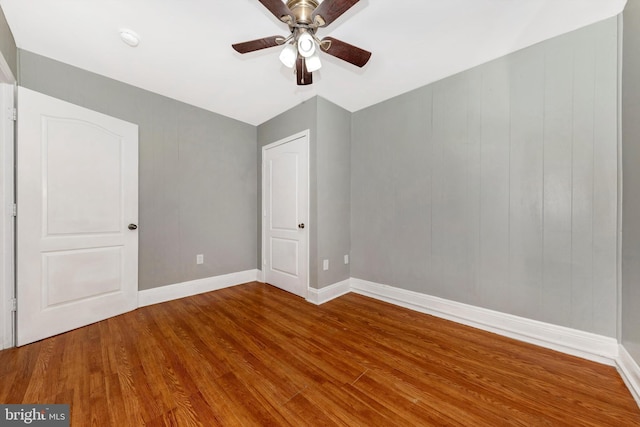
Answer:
[(475, 375), (253, 355), (301, 412), (520, 379)]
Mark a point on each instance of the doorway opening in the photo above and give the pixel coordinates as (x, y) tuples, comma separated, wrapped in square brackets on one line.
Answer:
[(285, 214)]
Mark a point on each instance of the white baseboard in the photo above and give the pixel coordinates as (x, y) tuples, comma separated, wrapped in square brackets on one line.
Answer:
[(194, 287), (630, 373), (320, 296), (586, 345), (6, 342)]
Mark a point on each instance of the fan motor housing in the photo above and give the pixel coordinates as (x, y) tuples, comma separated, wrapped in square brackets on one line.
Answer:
[(302, 10)]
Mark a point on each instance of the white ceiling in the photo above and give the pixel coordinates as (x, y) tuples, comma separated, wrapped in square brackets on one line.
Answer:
[(185, 51)]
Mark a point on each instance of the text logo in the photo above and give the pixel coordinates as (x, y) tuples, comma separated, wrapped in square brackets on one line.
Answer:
[(34, 415)]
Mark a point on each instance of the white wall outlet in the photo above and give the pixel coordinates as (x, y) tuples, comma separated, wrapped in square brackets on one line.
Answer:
[(325, 264), (199, 259), (346, 259)]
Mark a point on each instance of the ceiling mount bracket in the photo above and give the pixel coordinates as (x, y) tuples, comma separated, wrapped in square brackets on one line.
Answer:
[(302, 10)]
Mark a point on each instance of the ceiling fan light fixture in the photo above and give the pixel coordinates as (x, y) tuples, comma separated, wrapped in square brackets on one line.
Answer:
[(289, 55), (306, 45), (302, 47), (313, 62)]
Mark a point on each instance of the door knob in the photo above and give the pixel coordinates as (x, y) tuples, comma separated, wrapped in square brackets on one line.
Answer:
[(132, 226), (301, 225)]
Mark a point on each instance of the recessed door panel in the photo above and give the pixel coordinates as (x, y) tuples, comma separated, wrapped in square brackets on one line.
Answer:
[(85, 198), (71, 276), (284, 256), (284, 192)]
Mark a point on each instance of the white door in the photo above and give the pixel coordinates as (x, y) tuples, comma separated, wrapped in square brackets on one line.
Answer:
[(77, 194), (286, 210)]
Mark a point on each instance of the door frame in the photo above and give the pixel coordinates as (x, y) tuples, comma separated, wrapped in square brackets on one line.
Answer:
[(306, 135), (7, 200)]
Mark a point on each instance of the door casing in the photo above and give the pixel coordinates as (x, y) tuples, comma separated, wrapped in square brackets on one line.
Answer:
[(7, 230), (7, 221)]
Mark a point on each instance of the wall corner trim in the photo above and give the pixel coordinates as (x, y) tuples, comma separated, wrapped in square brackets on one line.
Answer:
[(194, 287), (630, 372), (582, 344), (326, 294)]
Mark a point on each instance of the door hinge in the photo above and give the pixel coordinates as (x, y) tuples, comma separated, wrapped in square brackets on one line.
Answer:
[(13, 114), (15, 210), (14, 304)]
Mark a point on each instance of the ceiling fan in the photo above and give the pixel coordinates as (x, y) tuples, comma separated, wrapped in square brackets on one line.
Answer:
[(304, 17)]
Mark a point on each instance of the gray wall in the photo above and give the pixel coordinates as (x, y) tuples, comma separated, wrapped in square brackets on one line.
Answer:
[(631, 181), (330, 190), (497, 187), (197, 187), (333, 157), (8, 47)]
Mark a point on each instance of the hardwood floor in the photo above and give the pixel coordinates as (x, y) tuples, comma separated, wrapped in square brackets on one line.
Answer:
[(255, 355)]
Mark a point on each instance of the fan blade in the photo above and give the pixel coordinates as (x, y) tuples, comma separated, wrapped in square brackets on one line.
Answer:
[(346, 52), (303, 76), (278, 8), (330, 10), (254, 45)]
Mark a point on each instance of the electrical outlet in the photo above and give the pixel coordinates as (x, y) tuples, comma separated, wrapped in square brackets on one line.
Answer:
[(346, 259), (325, 264), (199, 259)]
